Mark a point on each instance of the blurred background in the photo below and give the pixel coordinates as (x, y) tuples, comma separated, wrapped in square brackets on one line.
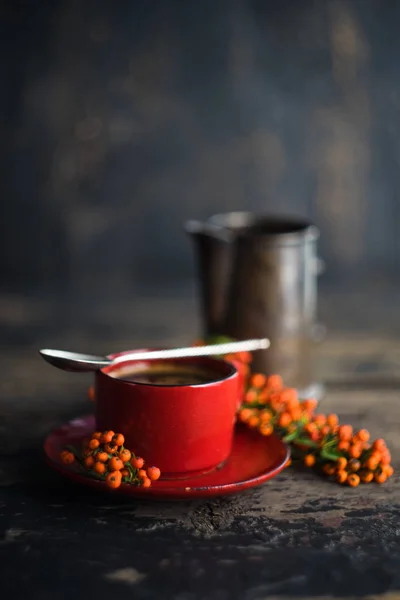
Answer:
[(119, 120)]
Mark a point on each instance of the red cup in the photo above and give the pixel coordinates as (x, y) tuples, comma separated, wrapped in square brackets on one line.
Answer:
[(182, 429)]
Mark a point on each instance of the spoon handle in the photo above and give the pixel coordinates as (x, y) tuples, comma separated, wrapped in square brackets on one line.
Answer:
[(211, 350)]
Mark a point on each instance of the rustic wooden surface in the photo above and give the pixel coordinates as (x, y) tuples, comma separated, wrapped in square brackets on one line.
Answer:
[(296, 535)]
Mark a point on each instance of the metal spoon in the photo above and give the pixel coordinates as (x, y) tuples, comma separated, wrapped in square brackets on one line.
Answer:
[(74, 361)]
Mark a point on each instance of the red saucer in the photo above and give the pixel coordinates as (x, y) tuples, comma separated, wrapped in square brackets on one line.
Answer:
[(254, 460)]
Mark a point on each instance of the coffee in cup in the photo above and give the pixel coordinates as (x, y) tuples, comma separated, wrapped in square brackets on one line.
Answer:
[(166, 373)]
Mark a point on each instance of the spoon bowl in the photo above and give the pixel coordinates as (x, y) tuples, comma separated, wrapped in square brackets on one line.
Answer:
[(74, 361)]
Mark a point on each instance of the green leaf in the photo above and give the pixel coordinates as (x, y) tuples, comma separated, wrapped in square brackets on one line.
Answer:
[(306, 442), (218, 339), (289, 437), (330, 441), (329, 454)]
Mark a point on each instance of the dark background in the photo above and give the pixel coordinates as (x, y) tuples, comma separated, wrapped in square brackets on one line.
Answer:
[(119, 120)]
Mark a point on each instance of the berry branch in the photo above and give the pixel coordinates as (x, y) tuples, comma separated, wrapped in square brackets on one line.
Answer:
[(317, 440), (104, 457)]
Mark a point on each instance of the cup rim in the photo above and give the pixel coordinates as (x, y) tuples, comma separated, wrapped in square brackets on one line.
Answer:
[(232, 370), (281, 228)]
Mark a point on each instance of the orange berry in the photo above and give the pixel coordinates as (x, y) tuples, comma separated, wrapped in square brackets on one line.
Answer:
[(244, 357), (292, 403), (289, 395), (115, 464), (153, 473), (296, 413), (96, 435), (257, 380), (265, 416), (341, 476), (250, 396), (118, 439), (363, 435), (345, 432), (366, 476), (325, 430), (313, 434), (388, 469), (67, 457), (332, 420), (380, 477), (102, 457), (124, 472), (91, 393), (137, 462), (379, 445), (354, 465), (93, 444), (99, 467), (125, 455), (245, 414), (284, 419), (376, 455), (329, 469), (320, 420), (353, 479), (341, 463), (274, 383), (310, 427), (263, 396), (309, 460), (111, 448), (353, 441), (89, 462), (266, 429), (343, 445), (386, 458), (142, 474), (355, 451), (310, 404), (113, 479), (254, 421), (372, 463), (106, 437), (146, 482), (275, 401)]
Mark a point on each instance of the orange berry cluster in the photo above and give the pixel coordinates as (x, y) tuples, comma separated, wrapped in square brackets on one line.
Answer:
[(269, 406), (350, 458), (318, 440), (105, 457)]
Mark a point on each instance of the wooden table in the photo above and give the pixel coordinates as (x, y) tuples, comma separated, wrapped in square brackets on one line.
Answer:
[(296, 535)]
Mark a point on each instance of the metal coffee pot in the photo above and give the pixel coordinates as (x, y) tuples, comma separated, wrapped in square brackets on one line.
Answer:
[(258, 278)]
